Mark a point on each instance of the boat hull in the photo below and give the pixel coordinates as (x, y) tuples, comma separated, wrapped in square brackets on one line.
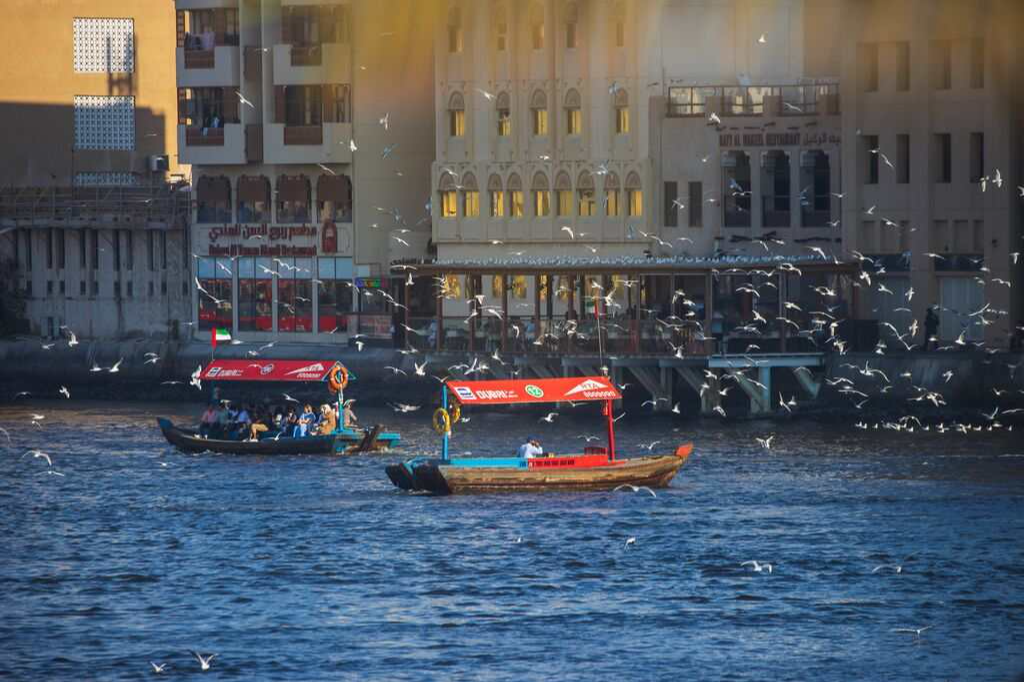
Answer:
[(188, 441), (443, 478)]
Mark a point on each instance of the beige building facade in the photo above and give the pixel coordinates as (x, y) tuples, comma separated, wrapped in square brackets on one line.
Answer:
[(93, 229), (309, 129)]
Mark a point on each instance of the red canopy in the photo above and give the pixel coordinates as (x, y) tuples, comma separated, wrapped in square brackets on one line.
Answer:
[(574, 389), (269, 370)]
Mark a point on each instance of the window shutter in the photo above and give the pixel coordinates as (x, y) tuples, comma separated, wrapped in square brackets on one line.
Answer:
[(327, 26), (182, 107), (230, 107), (330, 103), (279, 104), (220, 26), (286, 25), (180, 21)]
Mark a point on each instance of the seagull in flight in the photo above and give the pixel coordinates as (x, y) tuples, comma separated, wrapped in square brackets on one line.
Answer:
[(635, 489), (204, 662), (758, 566), (64, 392), (766, 443), (549, 418)]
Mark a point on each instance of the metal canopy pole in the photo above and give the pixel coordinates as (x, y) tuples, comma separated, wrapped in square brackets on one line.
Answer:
[(444, 439), (608, 406)]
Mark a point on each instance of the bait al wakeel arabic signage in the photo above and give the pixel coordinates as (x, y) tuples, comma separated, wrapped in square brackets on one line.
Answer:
[(777, 139), (265, 240)]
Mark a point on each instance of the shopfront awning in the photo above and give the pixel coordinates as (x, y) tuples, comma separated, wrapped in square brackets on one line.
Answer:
[(500, 391), (268, 371)]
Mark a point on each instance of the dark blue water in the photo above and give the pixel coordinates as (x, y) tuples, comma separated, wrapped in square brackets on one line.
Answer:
[(314, 567)]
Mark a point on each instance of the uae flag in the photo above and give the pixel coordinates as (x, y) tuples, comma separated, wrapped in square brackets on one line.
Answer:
[(219, 334)]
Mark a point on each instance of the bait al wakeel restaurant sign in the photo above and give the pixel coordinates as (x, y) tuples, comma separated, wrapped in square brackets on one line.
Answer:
[(263, 240)]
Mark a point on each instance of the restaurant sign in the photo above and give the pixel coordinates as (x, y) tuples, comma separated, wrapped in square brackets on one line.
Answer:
[(266, 234), (777, 139)]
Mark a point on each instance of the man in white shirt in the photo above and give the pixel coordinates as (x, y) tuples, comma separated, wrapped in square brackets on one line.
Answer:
[(531, 449)]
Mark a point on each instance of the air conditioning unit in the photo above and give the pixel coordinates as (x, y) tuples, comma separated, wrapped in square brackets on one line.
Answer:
[(158, 163)]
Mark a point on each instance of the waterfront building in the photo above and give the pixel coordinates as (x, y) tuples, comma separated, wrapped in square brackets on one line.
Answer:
[(309, 128), (92, 226)]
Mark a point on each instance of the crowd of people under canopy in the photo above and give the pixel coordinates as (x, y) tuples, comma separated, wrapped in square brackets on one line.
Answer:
[(252, 423)]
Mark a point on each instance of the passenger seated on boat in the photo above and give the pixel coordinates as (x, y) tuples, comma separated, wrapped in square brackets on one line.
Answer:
[(531, 449), (348, 417), (305, 422), (242, 420), (258, 426), (208, 420), (328, 422)]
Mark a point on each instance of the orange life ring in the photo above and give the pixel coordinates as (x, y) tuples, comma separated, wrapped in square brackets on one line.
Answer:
[(338, 379)]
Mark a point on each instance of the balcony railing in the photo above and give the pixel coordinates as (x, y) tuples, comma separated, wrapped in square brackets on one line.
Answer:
[(196, 136), (307, 55), (303, 135), (199, 59), (753, 100)]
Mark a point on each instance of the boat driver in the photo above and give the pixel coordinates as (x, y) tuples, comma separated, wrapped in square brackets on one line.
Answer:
[(531, 449)]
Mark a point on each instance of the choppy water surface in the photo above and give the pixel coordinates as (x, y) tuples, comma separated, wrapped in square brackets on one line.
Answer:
[(315, 567)]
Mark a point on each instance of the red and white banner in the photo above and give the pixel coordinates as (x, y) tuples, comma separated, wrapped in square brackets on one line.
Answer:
[(489, 392), (268, 370)]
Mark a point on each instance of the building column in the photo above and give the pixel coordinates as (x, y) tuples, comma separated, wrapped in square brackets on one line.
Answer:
[(756, 189), (795, 219)]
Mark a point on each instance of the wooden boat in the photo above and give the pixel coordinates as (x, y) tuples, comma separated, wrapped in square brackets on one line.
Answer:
[(341, 442), (596, 469)]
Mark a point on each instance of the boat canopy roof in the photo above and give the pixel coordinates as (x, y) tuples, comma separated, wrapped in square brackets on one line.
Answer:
[(500, 391), (268, 370)]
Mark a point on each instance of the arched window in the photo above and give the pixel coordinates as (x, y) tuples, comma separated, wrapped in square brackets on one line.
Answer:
[(572, 16), (254, 199), (541, 195), (456, 115), (504, 109), (635, 194), (621, 112), (446, 192), (334, 198), (470, 196), (500, 28), (497, 196), (455, 29), (563, 192), (539, 108), (611, 195), (213, 200), (293, 199), (619, 24), (573, 113), (585, 192), (517, 208), (537, 25)]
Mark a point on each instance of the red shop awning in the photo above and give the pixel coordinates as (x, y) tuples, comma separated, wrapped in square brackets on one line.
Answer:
[(268, 370), (574, 389)]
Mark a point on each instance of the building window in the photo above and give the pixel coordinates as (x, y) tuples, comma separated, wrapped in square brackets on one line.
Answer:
[(163, 250), (537, 35), (456, 116), (570, 35), (585, 192), (903, 66), (83, 253), (215, 280), (449, 204), (455, 31), (501, 30), (563, 194), (504, 115), (254, 200), (334, 198), (635, 194), (255, 294), (517, 208), (336, 100), (775, 187), (49, 249), (943, 158), (621, 112), (611, 195), (736, 189), (942, 65), (868, 66), (150, 253), (129, 250), (869, 150), (470, 197), (902, 159), (696, 205), (977, 156), (335, 294), (977, 63), (574, 121), (213, 200), (294, 294), (497, 204), (671, 207), (539, 108), (816, 189), (303, 105), (293, 199), (541, 196)]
